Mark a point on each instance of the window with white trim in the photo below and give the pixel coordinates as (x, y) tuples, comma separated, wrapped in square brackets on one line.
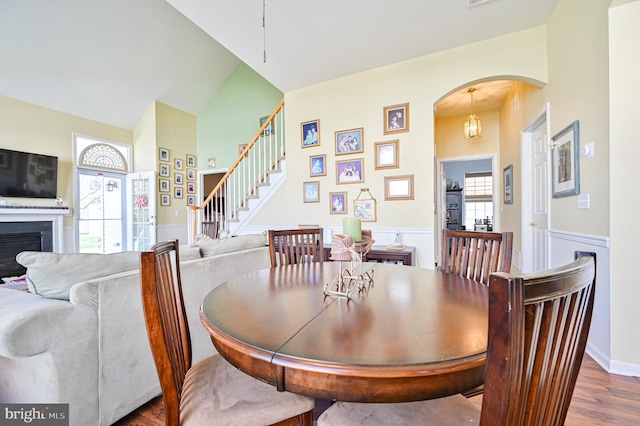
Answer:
[(478, 198)]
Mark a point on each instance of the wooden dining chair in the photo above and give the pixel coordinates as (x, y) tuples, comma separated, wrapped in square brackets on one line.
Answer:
[(291, 246), (475, 255), (212, 391), (210, 228), (538, 328)]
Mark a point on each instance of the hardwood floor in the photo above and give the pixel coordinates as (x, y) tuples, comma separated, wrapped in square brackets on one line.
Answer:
[(599, 399)]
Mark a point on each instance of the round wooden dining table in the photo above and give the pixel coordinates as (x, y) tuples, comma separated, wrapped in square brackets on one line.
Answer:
[(411, 334)]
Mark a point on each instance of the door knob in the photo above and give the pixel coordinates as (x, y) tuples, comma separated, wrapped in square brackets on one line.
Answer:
[(532, 224)]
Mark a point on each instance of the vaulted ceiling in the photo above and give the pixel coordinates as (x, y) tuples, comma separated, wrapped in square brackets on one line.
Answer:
[(109, 60)]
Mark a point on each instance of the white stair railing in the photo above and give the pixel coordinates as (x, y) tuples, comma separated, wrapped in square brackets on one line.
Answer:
[(252, 168)]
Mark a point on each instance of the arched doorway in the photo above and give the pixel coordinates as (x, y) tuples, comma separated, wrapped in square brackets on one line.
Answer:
[(504, 107)]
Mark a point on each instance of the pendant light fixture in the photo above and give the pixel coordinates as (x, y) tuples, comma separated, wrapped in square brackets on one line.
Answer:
[(473, 126)]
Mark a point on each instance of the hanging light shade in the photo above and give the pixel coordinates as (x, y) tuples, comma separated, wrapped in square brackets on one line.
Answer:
[(473, 126)]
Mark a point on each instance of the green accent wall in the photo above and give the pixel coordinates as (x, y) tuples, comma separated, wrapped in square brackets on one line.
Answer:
[(232, 116)]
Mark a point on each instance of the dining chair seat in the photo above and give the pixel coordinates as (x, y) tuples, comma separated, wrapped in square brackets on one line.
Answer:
[(216, 392), (453, 410), (212, 391)]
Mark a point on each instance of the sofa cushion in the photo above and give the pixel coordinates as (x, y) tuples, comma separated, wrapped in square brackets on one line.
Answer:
[(189, 252), (212, 247), (53, 274)]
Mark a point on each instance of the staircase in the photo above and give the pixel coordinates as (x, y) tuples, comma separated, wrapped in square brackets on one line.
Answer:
[(252, 179)]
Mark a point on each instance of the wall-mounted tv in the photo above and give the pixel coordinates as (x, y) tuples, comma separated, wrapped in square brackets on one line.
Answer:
[(27, 175)]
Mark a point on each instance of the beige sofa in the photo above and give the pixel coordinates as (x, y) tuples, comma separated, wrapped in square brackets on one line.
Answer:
[(91, 350)]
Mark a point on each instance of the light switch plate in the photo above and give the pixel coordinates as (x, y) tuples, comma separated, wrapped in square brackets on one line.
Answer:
[(583, 201)]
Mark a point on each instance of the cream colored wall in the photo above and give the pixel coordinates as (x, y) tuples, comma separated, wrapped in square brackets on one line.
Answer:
[(529, 101), (578, 90), (358, 101), (145, 152), (624, 68), (450, 141), (28, 127), (176, 131)]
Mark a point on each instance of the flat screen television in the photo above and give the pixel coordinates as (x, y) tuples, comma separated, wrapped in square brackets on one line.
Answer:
[(27, 175)]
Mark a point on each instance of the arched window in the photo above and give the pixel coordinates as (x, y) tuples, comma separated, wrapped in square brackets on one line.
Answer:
[(103, 156)]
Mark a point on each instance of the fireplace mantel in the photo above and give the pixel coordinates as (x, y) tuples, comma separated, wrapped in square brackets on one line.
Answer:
[(35, 214)]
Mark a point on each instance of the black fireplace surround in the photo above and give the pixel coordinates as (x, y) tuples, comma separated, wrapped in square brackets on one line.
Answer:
[(16, 237)]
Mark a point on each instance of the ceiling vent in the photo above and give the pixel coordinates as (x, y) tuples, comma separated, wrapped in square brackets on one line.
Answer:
[(471, 3)]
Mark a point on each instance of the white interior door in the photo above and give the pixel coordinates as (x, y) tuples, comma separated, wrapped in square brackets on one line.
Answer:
[(441, 200), (535, 178), (141, 210)]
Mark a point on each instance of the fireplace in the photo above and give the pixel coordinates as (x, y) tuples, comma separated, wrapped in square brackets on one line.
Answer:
[(29, 228), (16, 237)]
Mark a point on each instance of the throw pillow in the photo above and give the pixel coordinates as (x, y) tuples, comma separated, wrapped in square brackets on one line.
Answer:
[(189, 252), (212, 247), (53, 274)]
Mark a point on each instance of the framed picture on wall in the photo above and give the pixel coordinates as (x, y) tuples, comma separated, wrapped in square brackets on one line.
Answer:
[(350, 171), (349, 141), (164, 154), (164, 185), (164, 170), (386, 155), (311, 192), (268, 129), (310, 133), (365, 210), (396, 119), (191, 160), (565, 161), (165, 199), (338, 202), (191, 200), (317, 165), (398, 187), (178, 192), (178, 164), (507, 181)]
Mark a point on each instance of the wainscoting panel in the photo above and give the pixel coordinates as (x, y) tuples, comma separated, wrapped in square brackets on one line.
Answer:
[(562, 246), (420, 238)]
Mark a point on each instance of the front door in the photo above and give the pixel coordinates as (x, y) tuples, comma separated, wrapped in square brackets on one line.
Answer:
[(141, 210), (100, 211)]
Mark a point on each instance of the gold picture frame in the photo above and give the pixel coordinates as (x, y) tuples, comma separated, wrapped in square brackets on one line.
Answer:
[(396, 119), (398, 187), (387, 155)]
